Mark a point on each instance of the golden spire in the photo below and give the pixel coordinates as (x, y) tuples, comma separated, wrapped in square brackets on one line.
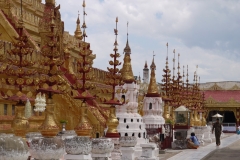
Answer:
[(78, 32), (153, 66), (178, 73), (183, 77), (20, 21), (167, 57), (127, 73), (152, 88), (173, 64), (84, 26)]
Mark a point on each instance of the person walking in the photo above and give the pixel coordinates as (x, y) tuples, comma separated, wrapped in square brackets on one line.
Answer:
[(217, 127)]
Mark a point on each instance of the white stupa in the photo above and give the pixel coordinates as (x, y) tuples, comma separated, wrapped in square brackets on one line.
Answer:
[(130, 122), (152, 103)]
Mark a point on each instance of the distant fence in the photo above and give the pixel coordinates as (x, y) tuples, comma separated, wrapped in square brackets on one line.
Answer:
[(229, 127)]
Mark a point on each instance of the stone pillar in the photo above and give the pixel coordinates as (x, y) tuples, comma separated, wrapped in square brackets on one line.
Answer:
[(149, 152), (128, 147), (128, 153), (116, 153), (102, 148)]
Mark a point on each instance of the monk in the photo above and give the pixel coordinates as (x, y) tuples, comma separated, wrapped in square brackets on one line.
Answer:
[(217, 127)]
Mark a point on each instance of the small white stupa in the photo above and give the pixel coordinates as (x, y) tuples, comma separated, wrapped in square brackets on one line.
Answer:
[(152, 103), (130, 122), (28, 109)]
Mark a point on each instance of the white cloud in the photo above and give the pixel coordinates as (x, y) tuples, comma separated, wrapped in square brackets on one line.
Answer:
[(205, 33)]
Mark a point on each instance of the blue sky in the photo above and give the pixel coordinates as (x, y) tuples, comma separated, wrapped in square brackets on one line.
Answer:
[(205, 33)]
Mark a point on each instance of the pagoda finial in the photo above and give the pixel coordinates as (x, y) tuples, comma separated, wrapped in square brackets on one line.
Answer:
[(178, 65), (145, 66), (127, 73), (199, 80), (116, 33), (78, 32), (127, 49), (20, 21), (183, 76), (84, 26), (152, 88), (153, 63), (174, 64), (167, 57)]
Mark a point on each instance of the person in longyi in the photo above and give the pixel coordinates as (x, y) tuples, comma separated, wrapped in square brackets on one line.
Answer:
[(217, 127)]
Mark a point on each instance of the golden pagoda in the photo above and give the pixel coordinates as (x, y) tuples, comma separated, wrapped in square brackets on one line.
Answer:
[(126, 71), (152, 88)]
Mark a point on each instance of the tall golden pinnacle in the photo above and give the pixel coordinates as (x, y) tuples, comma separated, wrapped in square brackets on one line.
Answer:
[(78, 32), (166, 87), (84, 68), (126, 71), (84, 26), (51, 83), (152, 88), (114, 79), (19, 74)]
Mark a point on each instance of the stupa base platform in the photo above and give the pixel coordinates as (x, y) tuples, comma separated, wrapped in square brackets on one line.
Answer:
[(104, 156), (77, 157)]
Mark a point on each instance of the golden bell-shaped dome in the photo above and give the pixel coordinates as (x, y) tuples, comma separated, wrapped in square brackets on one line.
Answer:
[(78, 32), (127, 73), (152, 87)]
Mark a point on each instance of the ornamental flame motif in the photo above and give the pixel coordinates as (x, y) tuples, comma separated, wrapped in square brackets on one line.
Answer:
[(40, 103)]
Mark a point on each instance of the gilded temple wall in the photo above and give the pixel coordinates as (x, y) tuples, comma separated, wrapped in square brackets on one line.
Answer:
[(66, 106)]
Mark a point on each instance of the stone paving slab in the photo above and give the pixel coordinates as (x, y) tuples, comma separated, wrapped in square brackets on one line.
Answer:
[(230, 152), (203, 151)]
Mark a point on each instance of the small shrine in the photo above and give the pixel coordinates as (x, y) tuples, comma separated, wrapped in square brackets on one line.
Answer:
[(152, 106)]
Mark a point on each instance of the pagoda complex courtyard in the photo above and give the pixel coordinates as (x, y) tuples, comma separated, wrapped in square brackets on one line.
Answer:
[(54, 104)]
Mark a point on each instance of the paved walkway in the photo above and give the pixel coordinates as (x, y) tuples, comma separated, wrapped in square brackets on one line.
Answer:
[(229, 144)]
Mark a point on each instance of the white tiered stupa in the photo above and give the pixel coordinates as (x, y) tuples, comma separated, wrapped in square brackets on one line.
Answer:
[(130, 122), (152, 103)]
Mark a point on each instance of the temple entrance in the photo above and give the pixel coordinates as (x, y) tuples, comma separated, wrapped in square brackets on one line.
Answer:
[(229, 120)]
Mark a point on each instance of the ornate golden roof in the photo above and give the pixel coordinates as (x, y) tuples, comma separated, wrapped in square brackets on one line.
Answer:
[(152, 88)]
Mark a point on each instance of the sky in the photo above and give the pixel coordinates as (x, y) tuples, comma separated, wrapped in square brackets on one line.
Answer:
[(205, 33)]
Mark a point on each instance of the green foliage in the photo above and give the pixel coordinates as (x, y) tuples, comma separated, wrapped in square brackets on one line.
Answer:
[(63, 121), (169, 121)]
